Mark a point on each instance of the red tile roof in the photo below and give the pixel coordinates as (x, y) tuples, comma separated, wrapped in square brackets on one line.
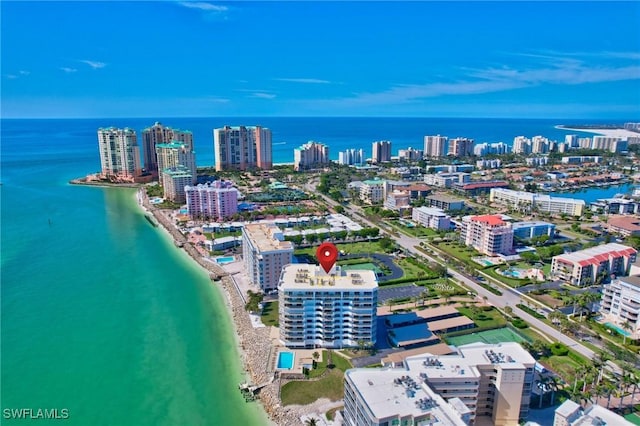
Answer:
[(490, 219)]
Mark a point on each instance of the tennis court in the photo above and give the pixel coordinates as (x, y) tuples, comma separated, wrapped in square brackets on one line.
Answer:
[(498, 335)]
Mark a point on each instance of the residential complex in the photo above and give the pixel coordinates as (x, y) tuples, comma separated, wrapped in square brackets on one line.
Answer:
[(119, 153), (435, 146), (624, 225), (488, 234), (528, 230), (242, 148), (174, 180), (593, 265), (499, 148), (529, 201), (482, 384), (460, 147), (265, 253), (571, 413), (216, 200), (445, 202), (620, 303), (310, 155), (351, 157), (381, 152), (160, 134), (447, 180), (369, 191), (330, 310), (174, 154), (410, 154), (398, 201), (431, 217)]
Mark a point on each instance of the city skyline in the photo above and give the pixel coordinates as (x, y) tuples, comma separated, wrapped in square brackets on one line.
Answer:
[(415, 59)]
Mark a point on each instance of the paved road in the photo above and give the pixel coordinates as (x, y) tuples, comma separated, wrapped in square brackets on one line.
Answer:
[(509, 297)]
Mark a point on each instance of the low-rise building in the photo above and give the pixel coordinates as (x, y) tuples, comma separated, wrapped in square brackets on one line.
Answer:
[(528, 230), (593, 265), (620, 303), (369, 191), (489, 234), (571, 413), (528, 202), (265, 253), (616, 206), (477, 188), (398, 201), (484, 384), (579, 159), (431, 217), (447, 180), (332, 310), (624, 225), (445, 202)]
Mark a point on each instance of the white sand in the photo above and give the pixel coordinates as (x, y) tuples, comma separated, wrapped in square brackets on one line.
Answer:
[(613, 133)]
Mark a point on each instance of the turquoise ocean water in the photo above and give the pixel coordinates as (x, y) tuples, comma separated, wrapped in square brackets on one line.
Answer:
[(101, 314)]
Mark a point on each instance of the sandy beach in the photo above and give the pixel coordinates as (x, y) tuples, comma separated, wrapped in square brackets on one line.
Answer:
[(613, 133), (254, 343)]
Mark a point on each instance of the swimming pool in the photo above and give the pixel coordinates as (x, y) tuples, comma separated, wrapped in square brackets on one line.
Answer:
[(285, 360), (223, 260), (618, 329)]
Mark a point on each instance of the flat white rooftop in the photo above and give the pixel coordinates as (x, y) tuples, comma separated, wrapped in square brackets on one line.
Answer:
[(263, 237), (302, 276)]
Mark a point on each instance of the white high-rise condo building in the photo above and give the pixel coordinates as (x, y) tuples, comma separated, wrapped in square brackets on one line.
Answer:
[(310, 155), (381, 152), (460, 147), (174, 180), (488, 234), (119, 153), (160, 134), (265, 253), (242, 148), (481, 384), (435, 146), (351, 157), (331, 310), (176, 154), (620, 304), (521, 145)]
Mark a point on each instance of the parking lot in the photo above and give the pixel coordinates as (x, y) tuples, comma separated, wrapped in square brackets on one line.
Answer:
[(410, 290)]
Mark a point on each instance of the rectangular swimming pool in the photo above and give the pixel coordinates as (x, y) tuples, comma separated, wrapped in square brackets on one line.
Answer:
[(223, 260), (285, 360), (618, 329)]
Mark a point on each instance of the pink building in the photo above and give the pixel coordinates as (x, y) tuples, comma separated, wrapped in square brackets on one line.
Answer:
[(488, 234), (215, 200)]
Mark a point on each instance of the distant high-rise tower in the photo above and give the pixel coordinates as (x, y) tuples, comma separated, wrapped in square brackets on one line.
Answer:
[(119, 152), (310, 155), (351, 157), (242, 148), (435, 146), (460, 147), (159, 134), (381, 151)]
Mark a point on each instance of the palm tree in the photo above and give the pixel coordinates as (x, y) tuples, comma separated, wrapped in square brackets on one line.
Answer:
[(553, 384), (311, 422), (580, 371), (588, 299), (626, 326), (600, 362), (611, 388), (543, 386)]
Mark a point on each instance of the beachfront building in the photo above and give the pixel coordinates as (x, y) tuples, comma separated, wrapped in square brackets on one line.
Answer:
[(216, 200), (521, 145), (460, 147), (242, 148), (571, 413), (498, 148), (119, 153), (328, 310), (435, 146), (488, 234), (527, 202), (176, 154), (483, 383), (310, 155), (174, 180), (265, 253), (593, 265), (381, 152), (620, 303), (431, 217), (410, 154), (160, 134), (351, 157), (609, 143), (445, 202), (529, 230)]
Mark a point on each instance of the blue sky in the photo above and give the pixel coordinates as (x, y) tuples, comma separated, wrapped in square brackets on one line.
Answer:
[(430, 59)]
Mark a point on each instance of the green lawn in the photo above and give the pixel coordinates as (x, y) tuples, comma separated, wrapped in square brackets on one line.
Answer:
[(459, 252), (412, 270), (563, 365), (270, 314), (482, 318), (348, 248), (417, 231)]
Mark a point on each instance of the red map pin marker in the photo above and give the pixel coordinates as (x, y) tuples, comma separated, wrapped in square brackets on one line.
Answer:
[(327, 254)]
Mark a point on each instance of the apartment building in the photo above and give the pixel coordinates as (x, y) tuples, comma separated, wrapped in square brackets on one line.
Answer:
[(527, 202), (265, 253), (447, 180), (489, 164), (528, 230), (176, 154), (521, 145), (351, 157), (381, 151), (445, 202), (608, 143), (488, 234), (329, 310), (410, 154), (481, 384), (242, 148), (398, 201), (579, 159), (369, 191), (624, 225), (593, 265), (174, 180), (620, 303), (498, 148), (310, 155), (435, 146), (571, 413), (431, 217), (119, 153), (616, 206), (460, 147), (216, 200), (160, 134)]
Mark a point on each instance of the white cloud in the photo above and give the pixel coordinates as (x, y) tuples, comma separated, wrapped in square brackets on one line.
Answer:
[(304, 80), (217, 99), (263, 95), (11, 76), (68, 69), (94, 64), (22, 72), (207, 7)]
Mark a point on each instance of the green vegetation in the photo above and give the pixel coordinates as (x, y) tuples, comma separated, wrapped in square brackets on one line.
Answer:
[(459, 251), (485, 317), (154, 190), (277, 195), (270, 314), (530, 311), (253, 302)]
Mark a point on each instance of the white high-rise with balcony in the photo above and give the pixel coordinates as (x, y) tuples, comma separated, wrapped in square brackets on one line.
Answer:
[(119, 153), (265, 253), (621, 303)]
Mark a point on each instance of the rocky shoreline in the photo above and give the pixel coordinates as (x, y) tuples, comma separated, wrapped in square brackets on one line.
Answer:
[(255, 343)]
